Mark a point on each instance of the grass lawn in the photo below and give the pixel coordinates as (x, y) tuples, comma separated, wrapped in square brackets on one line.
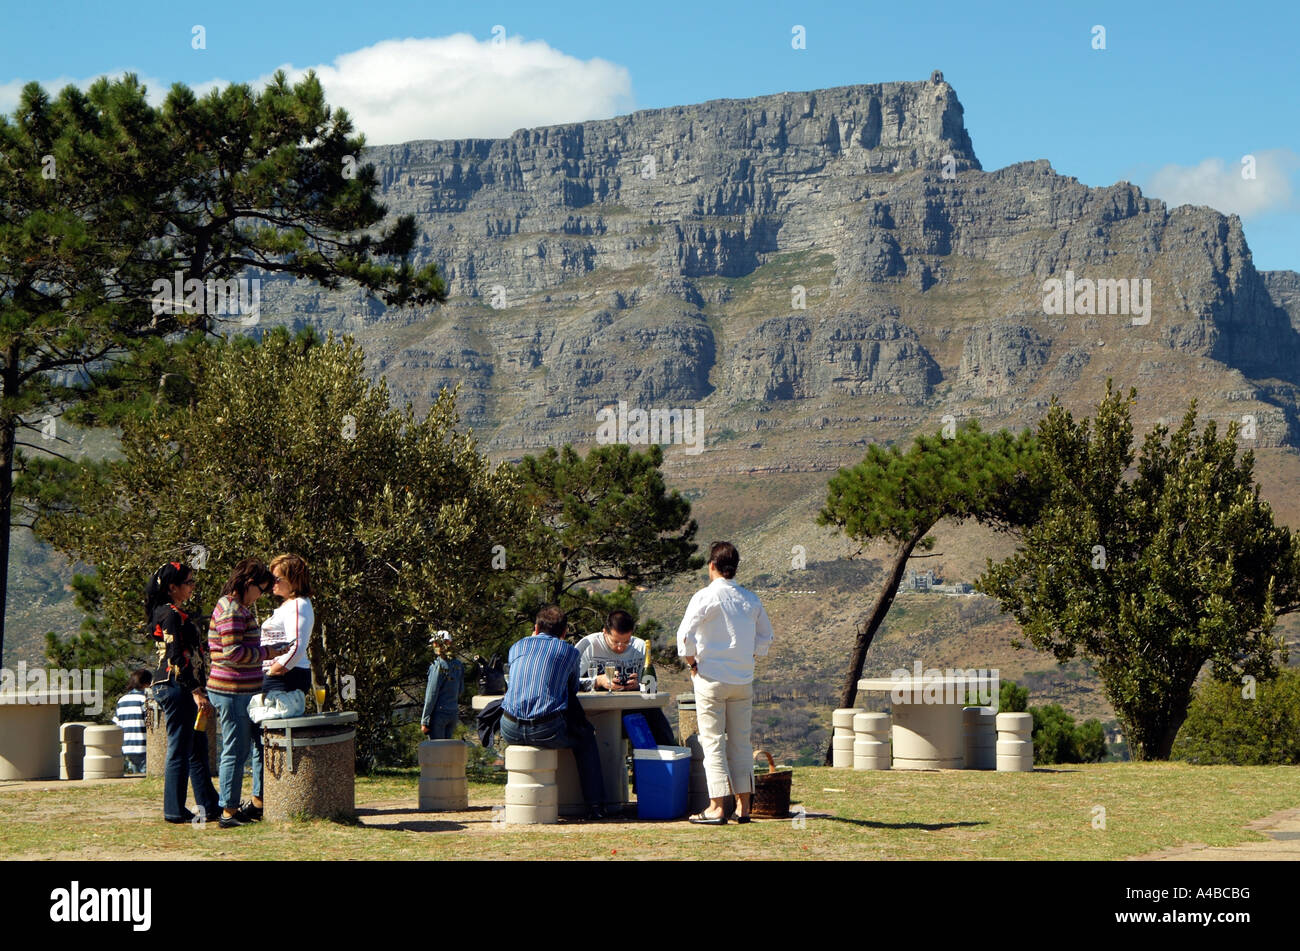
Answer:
[(1047, 814)]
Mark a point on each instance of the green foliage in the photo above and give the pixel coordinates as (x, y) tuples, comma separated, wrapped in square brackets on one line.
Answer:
[(1153, 575), (1012, 698), (901, 495), (1226, 725), (103, 196), (1090, 741), (289, 448), (603, 519), (1058, 740)]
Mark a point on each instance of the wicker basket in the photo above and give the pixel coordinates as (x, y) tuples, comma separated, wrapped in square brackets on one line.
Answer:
[(772, 789)]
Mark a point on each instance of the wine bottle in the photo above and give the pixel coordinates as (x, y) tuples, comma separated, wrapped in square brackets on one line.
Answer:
[(649, 682)]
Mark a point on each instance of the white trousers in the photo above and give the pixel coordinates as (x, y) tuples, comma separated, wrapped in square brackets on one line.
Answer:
[(725, 709)]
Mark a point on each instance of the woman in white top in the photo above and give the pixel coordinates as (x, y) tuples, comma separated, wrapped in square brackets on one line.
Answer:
[(290, 624)]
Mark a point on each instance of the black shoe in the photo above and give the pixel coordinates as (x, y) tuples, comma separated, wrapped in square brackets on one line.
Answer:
[(214, 816), (231, 822), (249, 812), (180, 820), (597, 814)]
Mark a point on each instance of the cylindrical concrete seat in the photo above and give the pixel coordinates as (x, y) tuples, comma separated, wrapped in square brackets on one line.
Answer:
[(310, 766), (443, 786), (441, 752), (1021, 724), (531, 815), (73, 750), (532, 794), (872, 723), (872, 754), (979, 737), (843, 717), (532, 790), (155, 740), (526, 777), (443, 795), (1015, 747), (530, 757), (103, 752), (687, 717)]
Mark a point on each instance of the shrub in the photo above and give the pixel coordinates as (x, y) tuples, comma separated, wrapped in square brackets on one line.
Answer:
[(1225, 727)]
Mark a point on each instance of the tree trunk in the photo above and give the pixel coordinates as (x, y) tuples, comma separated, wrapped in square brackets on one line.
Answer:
[(8, 436), (867, 629)]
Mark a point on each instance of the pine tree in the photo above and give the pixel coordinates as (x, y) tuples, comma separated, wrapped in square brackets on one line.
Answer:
[(901, 495), (103, 196)]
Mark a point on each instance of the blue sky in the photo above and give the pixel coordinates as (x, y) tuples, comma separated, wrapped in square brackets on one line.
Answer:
[(1176, 99)]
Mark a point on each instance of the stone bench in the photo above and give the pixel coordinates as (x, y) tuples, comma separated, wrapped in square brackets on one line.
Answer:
[(541, 785)]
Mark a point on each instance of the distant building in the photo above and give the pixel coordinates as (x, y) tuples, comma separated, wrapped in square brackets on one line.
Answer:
[(930, 581)]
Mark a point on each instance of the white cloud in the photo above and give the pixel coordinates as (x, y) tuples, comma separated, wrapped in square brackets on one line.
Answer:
[(461, 87), (1221, 185), (445, 87)]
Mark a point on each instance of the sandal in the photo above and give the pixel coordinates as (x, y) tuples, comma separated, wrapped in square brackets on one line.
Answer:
[(700, 819)]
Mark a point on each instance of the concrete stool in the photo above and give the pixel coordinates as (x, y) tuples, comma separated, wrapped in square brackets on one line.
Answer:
[(73, 750), (443, 786), (103, 745), (843, 737), (155, 739), (871, 745), (532, 797), (309, 766), (980, 737), (1015, 749)]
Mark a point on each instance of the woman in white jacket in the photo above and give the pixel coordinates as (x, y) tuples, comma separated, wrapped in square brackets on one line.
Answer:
[(289, 625)]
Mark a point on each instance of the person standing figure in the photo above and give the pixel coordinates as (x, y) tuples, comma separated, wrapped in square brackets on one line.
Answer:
[(178, 686), (442, 691), (237, 653), (129, 715), (725, 627)]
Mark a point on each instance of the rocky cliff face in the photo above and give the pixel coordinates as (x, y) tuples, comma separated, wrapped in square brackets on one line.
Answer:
[(836, 258)]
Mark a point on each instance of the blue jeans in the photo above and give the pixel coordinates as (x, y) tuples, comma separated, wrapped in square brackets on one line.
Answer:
[(187, 752), (255, 758), (442, 726), (554, 734), (135, 762), (236, 737)]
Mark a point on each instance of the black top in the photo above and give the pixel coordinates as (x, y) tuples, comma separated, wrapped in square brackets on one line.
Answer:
[(182, 658)]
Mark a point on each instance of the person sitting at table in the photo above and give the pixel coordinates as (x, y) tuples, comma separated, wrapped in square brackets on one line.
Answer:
[(615, 646), (541, 707)]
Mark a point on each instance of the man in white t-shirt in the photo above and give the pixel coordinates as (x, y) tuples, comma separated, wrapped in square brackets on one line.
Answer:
[(616, 647)]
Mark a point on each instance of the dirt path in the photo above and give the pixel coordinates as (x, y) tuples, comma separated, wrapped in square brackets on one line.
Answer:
[(1282, 828)]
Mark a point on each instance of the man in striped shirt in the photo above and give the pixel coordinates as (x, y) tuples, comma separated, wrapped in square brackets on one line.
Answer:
[(129, 715), (541, 708)]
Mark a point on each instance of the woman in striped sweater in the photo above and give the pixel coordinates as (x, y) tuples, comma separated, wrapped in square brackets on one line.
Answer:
[(235, 648)]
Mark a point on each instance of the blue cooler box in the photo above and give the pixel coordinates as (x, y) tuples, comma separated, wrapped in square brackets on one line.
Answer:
[(662, 780)]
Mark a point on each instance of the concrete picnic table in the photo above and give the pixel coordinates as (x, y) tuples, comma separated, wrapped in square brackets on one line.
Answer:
[(29, 731), (927, 734), (605, 711)]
